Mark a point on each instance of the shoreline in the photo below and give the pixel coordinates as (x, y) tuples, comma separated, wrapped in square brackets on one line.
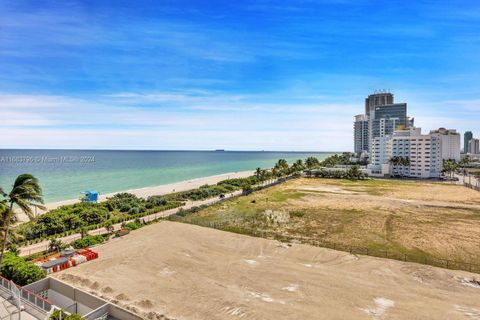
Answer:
[(152, 191)]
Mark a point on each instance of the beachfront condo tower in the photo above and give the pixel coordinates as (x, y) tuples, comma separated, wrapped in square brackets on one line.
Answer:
[(385, 119), (382, 117), (360, 128), (466, 139), (377, 99)]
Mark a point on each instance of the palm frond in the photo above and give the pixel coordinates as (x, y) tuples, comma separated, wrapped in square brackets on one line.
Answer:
[(26, 194), (3, 206)]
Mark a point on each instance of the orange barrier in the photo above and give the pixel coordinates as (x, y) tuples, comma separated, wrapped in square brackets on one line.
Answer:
[(60, 264)]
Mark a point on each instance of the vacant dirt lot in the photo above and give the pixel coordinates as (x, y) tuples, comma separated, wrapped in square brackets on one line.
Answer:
[(183, 271), (433, 220)]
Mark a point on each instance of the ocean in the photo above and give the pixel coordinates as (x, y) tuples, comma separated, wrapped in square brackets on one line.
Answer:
[(63, 174)]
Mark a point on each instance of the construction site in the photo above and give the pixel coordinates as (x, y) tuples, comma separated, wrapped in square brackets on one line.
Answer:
[(179, 271)]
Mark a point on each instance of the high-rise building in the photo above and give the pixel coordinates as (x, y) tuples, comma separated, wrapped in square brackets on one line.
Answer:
[(382, 117), (377, 99), (474, 146), (450, 143), (360, 131), (466, 139), (385, 119)]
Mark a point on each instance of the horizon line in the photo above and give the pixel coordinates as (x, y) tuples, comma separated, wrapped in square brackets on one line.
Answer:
[(174, 150)]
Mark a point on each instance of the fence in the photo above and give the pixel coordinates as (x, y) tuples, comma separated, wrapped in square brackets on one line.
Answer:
[(472, 186), (389, 254), (468, 180), (30, 298)]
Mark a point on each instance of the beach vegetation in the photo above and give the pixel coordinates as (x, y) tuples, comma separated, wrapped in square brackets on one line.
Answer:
[(88, 241), (132, 226), (84, 216), (157, 200), (125, 202), (19, 270), (351, 173)]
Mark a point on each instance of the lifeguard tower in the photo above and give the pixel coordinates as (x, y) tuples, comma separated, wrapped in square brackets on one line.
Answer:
[(89, 196)]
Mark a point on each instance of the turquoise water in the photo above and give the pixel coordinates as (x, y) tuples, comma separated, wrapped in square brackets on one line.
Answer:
[(63, 174)]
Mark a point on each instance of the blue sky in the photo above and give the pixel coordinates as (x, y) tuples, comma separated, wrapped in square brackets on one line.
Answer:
[(243, 75)]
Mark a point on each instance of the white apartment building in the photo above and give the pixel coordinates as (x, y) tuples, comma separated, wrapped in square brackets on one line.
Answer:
[(424, 153), (474, 146), (450, 143)]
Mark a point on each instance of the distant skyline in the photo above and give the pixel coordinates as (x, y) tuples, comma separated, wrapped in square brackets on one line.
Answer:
[(235, 75)]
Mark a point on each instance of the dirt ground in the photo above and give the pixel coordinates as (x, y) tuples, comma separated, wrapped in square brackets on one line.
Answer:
[(436, 220), (178, 271)]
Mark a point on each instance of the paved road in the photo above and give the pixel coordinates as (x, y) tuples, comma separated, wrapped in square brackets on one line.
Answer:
[(43, 246)]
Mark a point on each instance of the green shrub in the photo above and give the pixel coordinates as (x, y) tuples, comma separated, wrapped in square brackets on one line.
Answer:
[(20, 271), (88, 241), (124, 202), (157, 201), (68, 217), (133, 226), (134, 210), (60, 314)]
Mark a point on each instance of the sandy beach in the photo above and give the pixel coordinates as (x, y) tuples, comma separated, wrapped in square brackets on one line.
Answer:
[(188, 272), (156, 190)]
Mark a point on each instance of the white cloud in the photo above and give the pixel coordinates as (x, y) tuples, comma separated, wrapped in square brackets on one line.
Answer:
[(199, 120), (65, 122)]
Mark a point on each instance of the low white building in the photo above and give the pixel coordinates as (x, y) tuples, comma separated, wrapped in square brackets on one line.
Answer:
[(422, 154)]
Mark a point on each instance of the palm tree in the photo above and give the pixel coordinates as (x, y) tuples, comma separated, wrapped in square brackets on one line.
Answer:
[(109, 227), (258, 173), (55, 245), (449, 166), (299, 163), (83, 232), (354, 173), (311, 162), (268, 175), (246, 188), (26, 193), (463, 163), (394, 160), (297, 166), (282, 164)]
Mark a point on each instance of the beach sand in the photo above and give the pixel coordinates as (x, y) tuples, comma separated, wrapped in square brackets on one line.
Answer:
[(151, 191), (189, 272)]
